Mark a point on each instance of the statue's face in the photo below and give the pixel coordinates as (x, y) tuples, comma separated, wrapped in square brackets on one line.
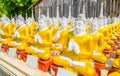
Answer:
[(109, 20), (55, 22), (94, 24), (41, 23), (64, 23), (12, 20), (20, 18), (79, 25), (18, 23), (29, 21), (2, 21), (115, 19), (105, 21)]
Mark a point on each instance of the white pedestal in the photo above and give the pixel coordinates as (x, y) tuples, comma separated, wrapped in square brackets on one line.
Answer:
[(63, 72), (32, 61), (12, 52)]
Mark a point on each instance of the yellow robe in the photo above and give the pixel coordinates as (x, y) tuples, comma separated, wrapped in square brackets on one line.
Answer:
[(32, 31), (62, 40), (46, 37), (23, 36), (98, 46), (85, 52), (8, 32)]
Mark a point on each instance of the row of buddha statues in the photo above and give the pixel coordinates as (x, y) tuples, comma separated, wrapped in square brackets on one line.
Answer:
[(76, 42)]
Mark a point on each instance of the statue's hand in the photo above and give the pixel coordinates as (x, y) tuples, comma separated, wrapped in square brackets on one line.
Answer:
[(76, 63), (76, 48), (96, 53), (59, 46), (16, 34), (37, 50), (73, 46), (1, 32), (57, 36), (70, 45), (38, 39), (67, 59)]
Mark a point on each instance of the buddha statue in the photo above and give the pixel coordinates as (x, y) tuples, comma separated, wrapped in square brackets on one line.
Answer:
[(6, 31), (32, 30), (42, 42), (98, 42), (60, 38), (107, 33), (20, 35), (78, 52), (54, 26)]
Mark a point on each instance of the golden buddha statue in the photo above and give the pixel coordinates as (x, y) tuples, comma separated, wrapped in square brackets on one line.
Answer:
[(60, 38), (98, 42), (32, 30), (42, 42), (20, 36), (79, 51), (7, 31)]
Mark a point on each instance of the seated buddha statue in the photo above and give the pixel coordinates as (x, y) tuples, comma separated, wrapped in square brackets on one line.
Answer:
[(78, 52), (60, 37), (2, 21), (54, 26), (6, 31), (115, 28), (98, 42), (42, 42), (106, 31), (20, 35), (111, 34), (32, 30)]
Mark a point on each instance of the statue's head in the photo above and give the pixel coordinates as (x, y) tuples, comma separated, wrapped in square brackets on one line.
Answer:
[(55, 21), (5, 20), (64, 22), (81, 17), (79, 25), (20, 17), (114, 19), (101, 22), (12, 20), (42, 16), (94, 25), (42, 24), (105, 20), (19, 23), (29, 21), (109, 20)]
